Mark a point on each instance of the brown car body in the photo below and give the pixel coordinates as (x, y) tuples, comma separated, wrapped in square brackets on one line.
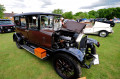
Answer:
[(38, 32), (42, 37)]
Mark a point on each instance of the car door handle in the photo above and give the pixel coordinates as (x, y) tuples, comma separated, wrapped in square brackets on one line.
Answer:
[(27, 30)]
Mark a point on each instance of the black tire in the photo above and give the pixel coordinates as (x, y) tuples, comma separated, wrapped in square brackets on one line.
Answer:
[(66, 66), (103, 33), (18, 45), (112, 25), (90, 50), (19, 41), (0, 31)]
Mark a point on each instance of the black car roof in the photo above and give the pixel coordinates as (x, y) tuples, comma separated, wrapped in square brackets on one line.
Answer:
[(4, 20), (36, 13)]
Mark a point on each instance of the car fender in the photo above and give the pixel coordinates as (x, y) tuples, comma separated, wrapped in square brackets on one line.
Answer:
[(74, 52), (109, 29), (92, 42)]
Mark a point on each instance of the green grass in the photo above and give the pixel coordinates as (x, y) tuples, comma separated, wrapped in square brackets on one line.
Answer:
[(19, 64)]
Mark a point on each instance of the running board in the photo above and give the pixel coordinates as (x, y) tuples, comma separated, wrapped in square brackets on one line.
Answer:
[(31, 50)]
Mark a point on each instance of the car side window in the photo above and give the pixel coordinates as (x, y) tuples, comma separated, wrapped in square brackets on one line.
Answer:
[(57, 24), (23, 22), (46, 22), (33, 22), (17, 22)]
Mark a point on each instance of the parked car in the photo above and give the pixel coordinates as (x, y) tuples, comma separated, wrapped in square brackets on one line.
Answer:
[(6, 25), (65, 20), (117, 20), (104, 20), (40, 34), (99, 28), (84, 20)]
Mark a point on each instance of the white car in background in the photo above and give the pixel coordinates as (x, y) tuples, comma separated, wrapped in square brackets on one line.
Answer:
[(99, 28)]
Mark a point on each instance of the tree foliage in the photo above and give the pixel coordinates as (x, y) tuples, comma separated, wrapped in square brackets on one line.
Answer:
[(68, 15), (93, 14), (58, 11), (2, 9), (79, 15), (109, 13)]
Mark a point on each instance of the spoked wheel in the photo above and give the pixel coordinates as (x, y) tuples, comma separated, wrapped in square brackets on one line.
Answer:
[(66, 66), (103, 33), (90, 50)]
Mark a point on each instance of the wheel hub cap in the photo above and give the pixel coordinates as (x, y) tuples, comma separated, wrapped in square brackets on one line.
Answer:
[(102, 34)]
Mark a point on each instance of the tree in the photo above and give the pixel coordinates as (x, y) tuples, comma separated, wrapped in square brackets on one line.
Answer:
[(2, 9), (109, 13), (93, 14), (116, 12), (79, 15), (58, 11), (68, 15)]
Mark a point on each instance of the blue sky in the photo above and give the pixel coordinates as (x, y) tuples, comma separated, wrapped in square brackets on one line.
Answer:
[(19, 6)]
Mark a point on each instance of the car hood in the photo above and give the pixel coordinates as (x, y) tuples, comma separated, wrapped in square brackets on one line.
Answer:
[(74, 26)]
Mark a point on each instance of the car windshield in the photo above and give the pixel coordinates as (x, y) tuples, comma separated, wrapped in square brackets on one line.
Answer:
[(47, 22), (3, 22), (57, 24)]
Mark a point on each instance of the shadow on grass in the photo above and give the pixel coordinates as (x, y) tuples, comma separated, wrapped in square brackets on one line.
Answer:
[(6, 32), (92, 34), (48, 60)]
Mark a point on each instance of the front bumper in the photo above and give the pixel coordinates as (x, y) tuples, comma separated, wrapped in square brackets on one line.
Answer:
[(94, 61), (6, 29)]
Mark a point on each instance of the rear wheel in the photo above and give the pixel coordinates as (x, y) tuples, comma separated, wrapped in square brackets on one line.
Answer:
[(18, 45), (19, 41), (66, 66), (0, 31), (103, 33)]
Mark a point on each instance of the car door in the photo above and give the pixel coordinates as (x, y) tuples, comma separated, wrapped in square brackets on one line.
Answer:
[(88, 30), (33, 29), (46, 29), (40, 37), (21, 26)]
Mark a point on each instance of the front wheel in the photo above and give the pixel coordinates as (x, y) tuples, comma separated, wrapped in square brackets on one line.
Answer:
[(66, 66), (103, 33)]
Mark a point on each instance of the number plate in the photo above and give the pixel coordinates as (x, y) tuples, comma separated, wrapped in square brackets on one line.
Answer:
[(9, 30), (96, 60)]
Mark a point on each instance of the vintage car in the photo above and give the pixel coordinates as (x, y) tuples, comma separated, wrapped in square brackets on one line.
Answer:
[(6, 25), (99, 28), (104, 20), (42, 35)]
